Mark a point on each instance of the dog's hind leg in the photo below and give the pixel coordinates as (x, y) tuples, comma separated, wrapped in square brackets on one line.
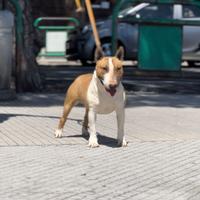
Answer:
[(85, 123), (70, 100), (67, 108)]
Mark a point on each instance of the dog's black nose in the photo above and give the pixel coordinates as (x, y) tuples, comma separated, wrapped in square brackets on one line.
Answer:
[(112, 86)]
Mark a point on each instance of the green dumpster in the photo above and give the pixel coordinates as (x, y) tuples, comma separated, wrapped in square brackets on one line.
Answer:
[(160, 47)]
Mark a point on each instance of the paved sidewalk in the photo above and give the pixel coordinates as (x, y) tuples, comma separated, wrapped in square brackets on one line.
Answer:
[(160, 163)]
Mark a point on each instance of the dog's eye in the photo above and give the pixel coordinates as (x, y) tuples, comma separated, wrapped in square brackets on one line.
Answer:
[(104, 68), (118, 68)]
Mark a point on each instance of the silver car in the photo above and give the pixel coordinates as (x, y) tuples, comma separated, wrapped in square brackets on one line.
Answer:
[(128, 31)]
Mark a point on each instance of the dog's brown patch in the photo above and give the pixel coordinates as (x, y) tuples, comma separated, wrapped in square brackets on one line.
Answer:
[(80, 87), (118, 65), (102, 67), (76, 92)]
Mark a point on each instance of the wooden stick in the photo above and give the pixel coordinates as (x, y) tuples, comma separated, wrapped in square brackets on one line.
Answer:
[(78, 4), (93, 22)]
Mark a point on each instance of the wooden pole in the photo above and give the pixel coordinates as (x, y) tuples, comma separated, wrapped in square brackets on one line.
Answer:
[(93, 23), (78, 4)]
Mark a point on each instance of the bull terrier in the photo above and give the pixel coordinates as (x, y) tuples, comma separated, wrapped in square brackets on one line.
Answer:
[(100, 93)]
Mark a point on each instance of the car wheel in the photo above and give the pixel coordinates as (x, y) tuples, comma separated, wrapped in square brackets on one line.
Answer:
[(107, 49), (193, 63), (87, 62)]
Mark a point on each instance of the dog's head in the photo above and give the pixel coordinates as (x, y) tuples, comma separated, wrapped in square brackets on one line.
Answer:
[(109, 69)]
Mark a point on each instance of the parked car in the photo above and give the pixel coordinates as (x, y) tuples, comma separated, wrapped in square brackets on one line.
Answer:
[(83, 45)]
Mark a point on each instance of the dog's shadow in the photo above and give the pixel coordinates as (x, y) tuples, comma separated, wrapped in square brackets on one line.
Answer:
[(102, 140)]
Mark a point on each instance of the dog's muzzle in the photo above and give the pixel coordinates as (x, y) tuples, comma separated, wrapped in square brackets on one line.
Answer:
[(112, 88)]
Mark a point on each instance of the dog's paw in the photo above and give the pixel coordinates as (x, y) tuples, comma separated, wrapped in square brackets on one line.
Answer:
[(58, 133), (93, 143), (85, 131), (122, 143)]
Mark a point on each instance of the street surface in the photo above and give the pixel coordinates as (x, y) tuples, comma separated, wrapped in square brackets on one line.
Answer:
[(161, 162)]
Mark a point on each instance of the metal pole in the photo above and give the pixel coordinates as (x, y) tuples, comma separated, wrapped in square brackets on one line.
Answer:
[(114, 25), (19, 19), (19, 42), (3, 5)]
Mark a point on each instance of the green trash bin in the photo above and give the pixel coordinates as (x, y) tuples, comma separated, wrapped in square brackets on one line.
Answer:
[(160, 47)]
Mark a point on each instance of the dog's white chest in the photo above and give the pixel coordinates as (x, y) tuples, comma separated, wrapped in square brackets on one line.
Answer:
[(101, 100), (106, 103)]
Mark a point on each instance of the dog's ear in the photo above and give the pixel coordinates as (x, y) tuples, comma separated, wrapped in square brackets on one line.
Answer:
[(120, 53), (98, 54)]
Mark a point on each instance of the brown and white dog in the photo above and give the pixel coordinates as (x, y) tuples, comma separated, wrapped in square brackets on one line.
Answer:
[(100, 93)]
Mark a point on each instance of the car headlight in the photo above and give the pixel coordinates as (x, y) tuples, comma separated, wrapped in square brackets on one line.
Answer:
[(85, 29)]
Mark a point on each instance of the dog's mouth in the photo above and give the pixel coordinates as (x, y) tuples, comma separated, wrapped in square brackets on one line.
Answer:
[(111, 90)]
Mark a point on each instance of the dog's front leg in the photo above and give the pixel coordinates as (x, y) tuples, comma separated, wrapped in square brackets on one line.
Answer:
[(92, 128), (120, 125)]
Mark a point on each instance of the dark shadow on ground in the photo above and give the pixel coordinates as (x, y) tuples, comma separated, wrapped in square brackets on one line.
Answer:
[(34, 99), (37, 100), (5, 117), (133, 100), (102, 139), (176, 101)]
